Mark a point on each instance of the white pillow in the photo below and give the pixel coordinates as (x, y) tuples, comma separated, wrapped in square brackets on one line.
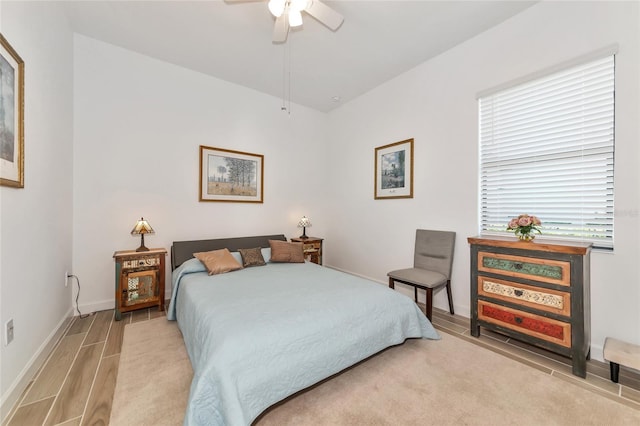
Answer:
[(236, 255), (266, 254)]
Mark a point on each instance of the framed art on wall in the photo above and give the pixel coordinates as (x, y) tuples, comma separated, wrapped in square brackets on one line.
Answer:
[(11, 116), (394, 170), (231, 176)]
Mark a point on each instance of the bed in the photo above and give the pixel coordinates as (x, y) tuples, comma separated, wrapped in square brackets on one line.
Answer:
[(260, 334)]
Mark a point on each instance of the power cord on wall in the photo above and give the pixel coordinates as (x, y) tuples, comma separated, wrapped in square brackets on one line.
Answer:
[(78, 296)]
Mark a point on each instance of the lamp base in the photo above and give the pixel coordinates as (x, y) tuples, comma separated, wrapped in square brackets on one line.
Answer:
[(304, 233), (142, 246)]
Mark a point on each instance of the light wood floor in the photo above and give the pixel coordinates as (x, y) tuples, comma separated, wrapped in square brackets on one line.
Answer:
[(76, 384)]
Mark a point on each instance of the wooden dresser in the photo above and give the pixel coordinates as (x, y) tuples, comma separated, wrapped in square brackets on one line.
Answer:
[(536, 292)]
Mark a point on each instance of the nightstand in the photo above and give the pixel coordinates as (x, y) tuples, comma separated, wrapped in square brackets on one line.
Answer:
[(139, 280), (312, 247)]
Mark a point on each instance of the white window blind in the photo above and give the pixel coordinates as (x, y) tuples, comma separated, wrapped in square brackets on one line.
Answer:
[(547, 149)]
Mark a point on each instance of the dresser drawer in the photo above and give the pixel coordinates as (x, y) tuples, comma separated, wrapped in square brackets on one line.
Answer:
[(545, 270), (558, 302), (140, 262), (548, 329), (311, 246)]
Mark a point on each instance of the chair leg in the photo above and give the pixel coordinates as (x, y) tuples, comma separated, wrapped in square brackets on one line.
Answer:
[(392, 284), (429, 303), (415, 294), (449, 296)]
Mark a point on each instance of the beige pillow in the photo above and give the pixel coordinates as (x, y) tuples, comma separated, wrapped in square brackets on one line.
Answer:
[(252, 257), (283, 251), (218, 261)]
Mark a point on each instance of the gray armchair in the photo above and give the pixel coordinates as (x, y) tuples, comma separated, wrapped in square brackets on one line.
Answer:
[(432, 262)]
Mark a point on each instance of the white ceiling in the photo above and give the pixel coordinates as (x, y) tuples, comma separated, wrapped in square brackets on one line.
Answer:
[(232, 41)]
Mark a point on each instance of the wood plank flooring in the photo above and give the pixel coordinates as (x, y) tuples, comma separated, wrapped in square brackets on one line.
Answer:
[(76, 384)]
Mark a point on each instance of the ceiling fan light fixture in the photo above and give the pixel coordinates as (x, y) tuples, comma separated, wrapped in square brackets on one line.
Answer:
[(298, 5), (276, 7), (295, 18)]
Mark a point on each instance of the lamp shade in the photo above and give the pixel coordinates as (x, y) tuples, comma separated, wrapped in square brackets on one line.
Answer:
[(276, 7), (304, 222), (142, 227), (298, 5), (295, 17)]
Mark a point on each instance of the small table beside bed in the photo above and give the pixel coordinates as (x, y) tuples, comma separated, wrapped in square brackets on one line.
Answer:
[(259, 334)]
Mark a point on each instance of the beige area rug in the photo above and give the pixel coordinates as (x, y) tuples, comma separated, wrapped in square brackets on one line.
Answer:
[(154, 375), (422, 382)]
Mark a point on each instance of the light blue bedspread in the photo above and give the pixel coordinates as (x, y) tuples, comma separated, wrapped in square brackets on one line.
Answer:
[(258, 335)]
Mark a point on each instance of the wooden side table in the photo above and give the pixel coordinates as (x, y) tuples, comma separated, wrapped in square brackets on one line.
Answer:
[(312, 247), (139, 280)]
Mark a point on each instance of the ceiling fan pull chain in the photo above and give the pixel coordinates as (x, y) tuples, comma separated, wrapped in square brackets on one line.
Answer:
[(284, 77), (290, 68)]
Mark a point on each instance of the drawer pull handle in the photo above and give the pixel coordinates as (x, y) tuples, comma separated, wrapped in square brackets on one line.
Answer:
[(518, 320), (518, 293), (518, 266)]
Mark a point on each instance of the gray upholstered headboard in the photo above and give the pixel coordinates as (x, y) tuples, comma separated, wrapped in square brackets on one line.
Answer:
[(181, 251)]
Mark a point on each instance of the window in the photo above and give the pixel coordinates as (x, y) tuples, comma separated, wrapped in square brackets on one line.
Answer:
[(546, 148)]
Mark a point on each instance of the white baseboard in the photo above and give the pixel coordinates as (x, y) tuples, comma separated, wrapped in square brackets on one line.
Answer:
[(597, 352), (11, 396), (95, 307), (104, 305), (357, 275)]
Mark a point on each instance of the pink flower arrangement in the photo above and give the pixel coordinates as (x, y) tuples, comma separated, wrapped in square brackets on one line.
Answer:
[(524, 225)]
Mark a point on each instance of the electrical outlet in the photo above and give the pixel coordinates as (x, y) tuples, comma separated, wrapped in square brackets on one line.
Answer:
[(8, 332), (66, 278)]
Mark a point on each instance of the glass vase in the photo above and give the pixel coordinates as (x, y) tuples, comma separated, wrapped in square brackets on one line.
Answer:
[(526, 237)]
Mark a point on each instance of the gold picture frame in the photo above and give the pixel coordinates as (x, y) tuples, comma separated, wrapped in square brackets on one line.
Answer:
[(394, 170), (11, 116), (231, 176)]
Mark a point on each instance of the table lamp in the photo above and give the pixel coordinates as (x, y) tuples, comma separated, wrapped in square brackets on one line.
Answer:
[(304, 223), (142, 227)]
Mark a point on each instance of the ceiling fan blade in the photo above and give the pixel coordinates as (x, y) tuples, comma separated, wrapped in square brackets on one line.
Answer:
[(324, 14), (281, 29)]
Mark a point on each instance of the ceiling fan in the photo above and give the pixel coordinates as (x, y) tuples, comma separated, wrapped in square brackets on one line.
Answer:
[(288, 14)]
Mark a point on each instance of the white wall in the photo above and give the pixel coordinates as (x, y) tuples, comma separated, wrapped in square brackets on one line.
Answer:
[(435, 103), (36, 222), (139, 123)]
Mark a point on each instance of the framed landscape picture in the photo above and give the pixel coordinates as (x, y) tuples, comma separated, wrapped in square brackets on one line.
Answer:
[(230, 176), (394, 170), (11, 116)]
